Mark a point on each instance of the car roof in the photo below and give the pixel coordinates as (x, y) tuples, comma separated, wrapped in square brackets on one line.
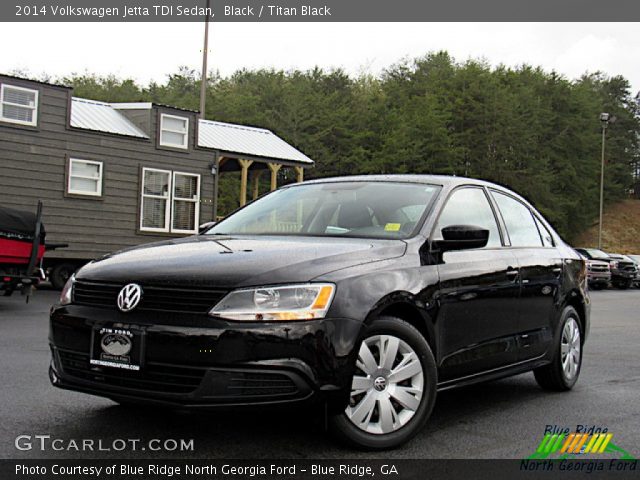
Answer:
[(443, 180), (446, 181)]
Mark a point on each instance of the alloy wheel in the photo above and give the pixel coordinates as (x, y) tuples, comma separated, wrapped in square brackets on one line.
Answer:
[(387, 387)]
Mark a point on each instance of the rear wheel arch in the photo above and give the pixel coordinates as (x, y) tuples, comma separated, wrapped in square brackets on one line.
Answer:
[(575, 300)]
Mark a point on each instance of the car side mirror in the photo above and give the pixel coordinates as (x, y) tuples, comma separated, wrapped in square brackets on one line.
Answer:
[(462, 237)]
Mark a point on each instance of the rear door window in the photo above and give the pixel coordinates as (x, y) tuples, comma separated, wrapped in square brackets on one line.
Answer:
[(519, 221), (547, 239)]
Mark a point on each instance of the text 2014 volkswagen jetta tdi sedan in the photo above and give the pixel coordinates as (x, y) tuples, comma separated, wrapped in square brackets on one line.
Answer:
[(367, 294)]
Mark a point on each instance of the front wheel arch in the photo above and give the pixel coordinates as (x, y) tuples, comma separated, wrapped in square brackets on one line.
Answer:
[(404, 306)]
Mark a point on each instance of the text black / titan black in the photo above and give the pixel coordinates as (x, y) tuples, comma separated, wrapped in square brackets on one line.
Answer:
[(367, 294)]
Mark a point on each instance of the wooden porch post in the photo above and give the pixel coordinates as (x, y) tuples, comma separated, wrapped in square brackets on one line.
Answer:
[(218, 161), (256, 183), (244, 165), (299, 174), (274, 167)]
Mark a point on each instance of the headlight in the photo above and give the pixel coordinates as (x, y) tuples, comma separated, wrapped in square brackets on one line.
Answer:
[(66, 297), (289, 302)]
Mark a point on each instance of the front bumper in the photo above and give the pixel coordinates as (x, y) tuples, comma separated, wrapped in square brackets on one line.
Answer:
[(598, 277), (196, 361), (623, 275)]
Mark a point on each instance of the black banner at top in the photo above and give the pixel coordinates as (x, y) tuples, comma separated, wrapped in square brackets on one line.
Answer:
[(319, 10)]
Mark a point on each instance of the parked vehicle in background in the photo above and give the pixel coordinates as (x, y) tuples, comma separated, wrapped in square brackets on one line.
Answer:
[(596, 254), (367, 294), (636, 260), (598, 273), (22, 247), (623, 270)]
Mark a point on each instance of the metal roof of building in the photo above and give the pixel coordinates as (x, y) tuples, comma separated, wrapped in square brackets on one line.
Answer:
[(241, 139), (148, 106), (102, 117), (132, 105)]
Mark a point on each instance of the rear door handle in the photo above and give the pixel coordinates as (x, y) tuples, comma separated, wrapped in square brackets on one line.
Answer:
[(557, 271), (512, 273)]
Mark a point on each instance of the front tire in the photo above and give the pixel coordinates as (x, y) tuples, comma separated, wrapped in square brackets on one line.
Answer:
[(563, 371), (393, 388)]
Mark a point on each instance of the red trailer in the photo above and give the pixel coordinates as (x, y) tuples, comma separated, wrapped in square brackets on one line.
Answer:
[(22, 246)]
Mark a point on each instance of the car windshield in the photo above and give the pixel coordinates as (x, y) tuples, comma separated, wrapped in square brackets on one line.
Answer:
[(597, 254), (338, 209)]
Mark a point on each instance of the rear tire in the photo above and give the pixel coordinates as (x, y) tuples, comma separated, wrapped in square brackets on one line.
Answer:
[(393, 387), (60, 274), (563, 371)]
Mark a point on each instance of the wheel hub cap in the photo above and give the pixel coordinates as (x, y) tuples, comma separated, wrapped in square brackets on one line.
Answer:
[(570, 349), (387, 387)]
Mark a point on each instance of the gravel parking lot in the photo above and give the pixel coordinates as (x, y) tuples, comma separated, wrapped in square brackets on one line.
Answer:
[(502, 419)]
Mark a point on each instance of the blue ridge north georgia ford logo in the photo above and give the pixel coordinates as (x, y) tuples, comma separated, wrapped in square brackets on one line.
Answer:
[(129, 297)]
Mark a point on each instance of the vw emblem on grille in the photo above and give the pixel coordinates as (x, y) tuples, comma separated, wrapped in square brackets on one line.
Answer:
[(116, 344), (129, 297)]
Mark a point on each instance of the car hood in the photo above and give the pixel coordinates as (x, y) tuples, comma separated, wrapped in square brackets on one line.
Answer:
[(236, 261)]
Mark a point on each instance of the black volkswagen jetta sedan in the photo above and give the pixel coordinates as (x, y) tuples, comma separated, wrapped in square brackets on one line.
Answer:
[(366, 295)]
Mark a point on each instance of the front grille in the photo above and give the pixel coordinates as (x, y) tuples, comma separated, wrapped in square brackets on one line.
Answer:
[(155, 377), (599, 268), (262, 383), (162, 378), (154, 298), (626, 266)]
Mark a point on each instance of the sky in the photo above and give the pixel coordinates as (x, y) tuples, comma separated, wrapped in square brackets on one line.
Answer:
[(151, 51)]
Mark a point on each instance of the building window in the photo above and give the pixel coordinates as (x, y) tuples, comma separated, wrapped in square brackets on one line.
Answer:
[(19, 105), (170, 201), (84, 177), (186, 203), (174, 131)]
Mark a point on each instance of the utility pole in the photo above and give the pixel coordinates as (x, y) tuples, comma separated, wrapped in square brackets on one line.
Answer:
[(215, 168), (604, 120), (205, 51)]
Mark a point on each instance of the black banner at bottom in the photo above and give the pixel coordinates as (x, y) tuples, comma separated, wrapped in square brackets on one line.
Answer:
[(199, 469)]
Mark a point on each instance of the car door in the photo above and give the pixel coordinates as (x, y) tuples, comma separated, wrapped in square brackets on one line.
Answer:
[(541, 269), (478, 292)]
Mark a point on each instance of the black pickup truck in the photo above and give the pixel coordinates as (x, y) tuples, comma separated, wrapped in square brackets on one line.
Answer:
[(624, 271)]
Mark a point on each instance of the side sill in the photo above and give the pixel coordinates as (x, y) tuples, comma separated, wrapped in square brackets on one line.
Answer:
[(494, 374)]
